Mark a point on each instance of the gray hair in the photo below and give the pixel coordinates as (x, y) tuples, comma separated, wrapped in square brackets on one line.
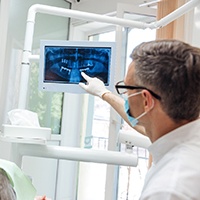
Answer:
[(171, 69), (6, 189)]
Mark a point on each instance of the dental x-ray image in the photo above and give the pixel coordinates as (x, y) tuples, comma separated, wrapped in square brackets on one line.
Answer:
[(62, 61), (65, 64)]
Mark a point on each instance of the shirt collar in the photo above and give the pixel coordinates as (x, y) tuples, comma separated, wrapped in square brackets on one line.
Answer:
[(178, 136)]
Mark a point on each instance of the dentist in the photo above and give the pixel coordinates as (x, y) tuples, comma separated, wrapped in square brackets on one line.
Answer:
[(162, 89)]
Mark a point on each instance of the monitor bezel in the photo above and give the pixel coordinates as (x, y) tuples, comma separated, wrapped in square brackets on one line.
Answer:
[(73, 88)]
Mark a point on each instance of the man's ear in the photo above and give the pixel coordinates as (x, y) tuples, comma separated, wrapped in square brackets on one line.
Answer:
[(148, 100)]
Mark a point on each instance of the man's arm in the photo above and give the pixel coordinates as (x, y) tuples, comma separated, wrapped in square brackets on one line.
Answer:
[(118, 104), (96, 87)]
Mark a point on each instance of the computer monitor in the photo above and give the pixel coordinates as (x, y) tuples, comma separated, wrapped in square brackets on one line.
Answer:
[(61, 64)]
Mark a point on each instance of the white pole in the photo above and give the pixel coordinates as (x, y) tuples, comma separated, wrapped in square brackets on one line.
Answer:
[(174, 15), (82, 15), (26, 64), (78, 154)]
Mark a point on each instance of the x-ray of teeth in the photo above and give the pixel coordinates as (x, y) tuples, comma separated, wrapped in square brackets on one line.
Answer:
[(65, 64)]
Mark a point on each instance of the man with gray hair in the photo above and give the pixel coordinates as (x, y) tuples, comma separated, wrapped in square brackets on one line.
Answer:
[(162, 101)]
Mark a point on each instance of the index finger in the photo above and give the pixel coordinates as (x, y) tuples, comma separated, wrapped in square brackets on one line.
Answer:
[(86, 77)]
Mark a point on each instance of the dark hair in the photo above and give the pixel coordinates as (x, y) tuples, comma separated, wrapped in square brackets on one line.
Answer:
[(170, 68)]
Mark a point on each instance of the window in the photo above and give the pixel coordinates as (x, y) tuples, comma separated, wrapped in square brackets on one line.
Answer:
[(101, 117)]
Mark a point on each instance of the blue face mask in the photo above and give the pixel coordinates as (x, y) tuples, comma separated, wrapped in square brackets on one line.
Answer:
[(133, 121)]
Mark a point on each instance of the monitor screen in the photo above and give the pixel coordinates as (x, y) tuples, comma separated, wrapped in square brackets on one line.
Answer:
[(61, 64)]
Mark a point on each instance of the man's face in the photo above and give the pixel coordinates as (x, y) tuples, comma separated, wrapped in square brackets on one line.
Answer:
[(135, 103)]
